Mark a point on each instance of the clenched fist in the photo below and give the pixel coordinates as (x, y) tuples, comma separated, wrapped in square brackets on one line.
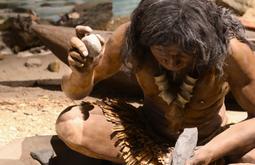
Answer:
[(85, 51)]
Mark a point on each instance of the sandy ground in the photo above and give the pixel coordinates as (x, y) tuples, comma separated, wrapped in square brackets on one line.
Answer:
[(30, 111), (26, 112)]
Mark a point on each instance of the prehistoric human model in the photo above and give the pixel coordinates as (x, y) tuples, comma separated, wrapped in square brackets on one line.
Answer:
[(186, 56)]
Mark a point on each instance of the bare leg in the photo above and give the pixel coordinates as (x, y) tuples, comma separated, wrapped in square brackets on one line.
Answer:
[(232, 144), (249, 157), (86, 131)]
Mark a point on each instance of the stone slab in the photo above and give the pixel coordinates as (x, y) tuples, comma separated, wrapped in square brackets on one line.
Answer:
[(13, 71), (18, 152)]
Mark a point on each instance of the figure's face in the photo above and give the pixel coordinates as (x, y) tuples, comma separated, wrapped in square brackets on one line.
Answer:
[(171, 57)]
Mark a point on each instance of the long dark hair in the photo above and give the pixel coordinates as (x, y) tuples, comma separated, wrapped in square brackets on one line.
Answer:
[(199, 27)]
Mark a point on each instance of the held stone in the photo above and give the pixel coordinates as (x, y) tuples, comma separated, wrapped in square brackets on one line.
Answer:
[(93, 45), (185, 146)]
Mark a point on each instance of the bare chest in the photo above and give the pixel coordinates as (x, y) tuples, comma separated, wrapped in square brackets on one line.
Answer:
[(208, 88), (204, 106)]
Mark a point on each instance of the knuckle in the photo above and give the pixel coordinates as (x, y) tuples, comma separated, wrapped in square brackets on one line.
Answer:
[(81, 30), (71, 62), (73, 40), (69, 58), (76, 42), (71, 53), (74, 54)]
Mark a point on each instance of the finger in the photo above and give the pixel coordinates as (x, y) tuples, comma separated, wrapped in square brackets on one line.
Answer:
[(101, 39), (187, 163), (197, 148), (77, 57), (74, 63), (81, 31), (78, 44)]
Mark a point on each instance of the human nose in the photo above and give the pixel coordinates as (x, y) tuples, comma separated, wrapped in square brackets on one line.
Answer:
[(172, 61)]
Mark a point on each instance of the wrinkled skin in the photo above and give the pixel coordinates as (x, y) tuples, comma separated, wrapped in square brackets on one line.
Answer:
[(91, 135)]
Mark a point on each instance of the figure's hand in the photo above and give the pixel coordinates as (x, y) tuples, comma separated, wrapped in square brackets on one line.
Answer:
[(200, 157), (85, 51)]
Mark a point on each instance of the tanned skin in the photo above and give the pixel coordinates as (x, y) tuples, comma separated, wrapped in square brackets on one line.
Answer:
[(206, 110)]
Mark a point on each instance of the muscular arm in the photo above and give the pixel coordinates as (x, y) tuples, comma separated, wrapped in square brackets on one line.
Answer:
[(239, 138), (77, 85), (240, 70)]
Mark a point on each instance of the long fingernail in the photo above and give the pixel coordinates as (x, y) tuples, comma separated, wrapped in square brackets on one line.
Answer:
[(85, 53)]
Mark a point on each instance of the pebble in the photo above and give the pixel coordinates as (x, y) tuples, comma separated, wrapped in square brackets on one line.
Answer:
[(54, 66), (33, 62)]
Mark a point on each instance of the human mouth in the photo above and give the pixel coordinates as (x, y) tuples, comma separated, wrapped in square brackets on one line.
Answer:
[(175, 68)]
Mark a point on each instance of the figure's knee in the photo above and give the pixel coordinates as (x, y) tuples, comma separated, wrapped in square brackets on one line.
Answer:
[(85, 135), (248, 157), (69, 125)]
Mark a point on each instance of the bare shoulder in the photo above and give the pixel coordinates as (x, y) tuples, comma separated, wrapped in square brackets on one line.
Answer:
[(118, 36), (239, 51), (111, 59), (240, 69), (240, 64), (115, 42)]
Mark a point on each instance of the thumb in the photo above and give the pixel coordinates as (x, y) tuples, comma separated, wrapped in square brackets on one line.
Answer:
[(81, 31)]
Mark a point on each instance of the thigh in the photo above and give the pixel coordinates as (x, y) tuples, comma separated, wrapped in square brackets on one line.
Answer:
[(85, 129)]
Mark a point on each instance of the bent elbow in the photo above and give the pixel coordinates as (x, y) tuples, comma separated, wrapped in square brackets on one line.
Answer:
[(75, 91), (76, 96)]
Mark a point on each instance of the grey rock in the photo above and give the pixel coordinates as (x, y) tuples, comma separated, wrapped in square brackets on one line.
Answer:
[(93, 45), (185, 146), (42, 156)]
